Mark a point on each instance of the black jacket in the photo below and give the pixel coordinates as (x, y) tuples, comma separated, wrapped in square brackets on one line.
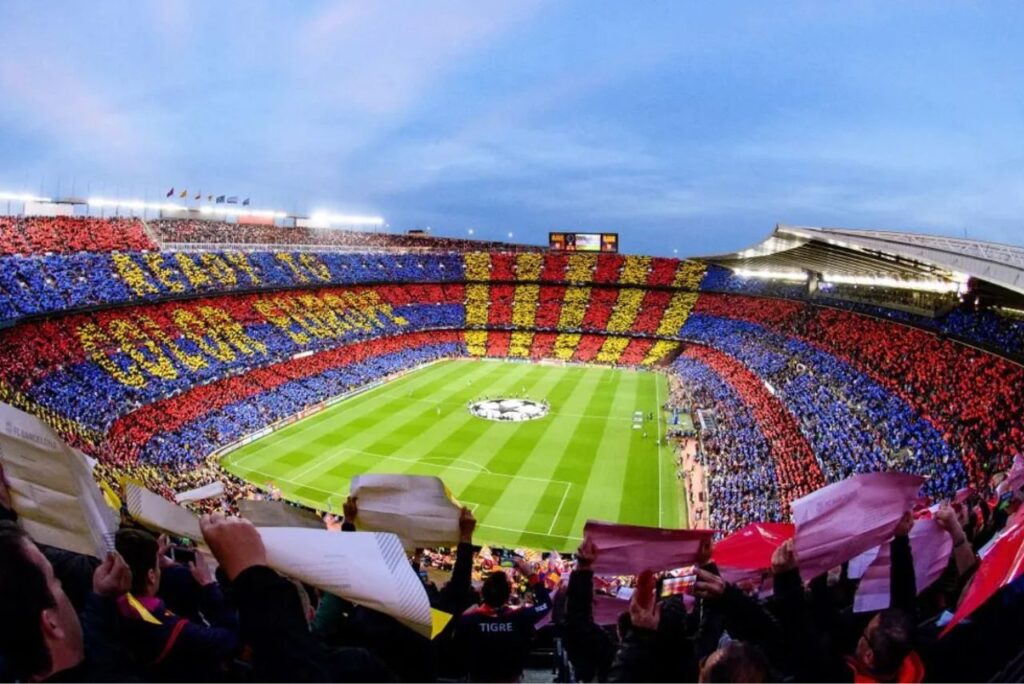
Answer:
[(589, 646), (493, 642), (283, 648)]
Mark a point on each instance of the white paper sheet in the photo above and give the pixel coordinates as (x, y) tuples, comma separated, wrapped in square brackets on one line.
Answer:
[(417, 508), (368, 568), (207, 491), (53, 491), (152, 510)]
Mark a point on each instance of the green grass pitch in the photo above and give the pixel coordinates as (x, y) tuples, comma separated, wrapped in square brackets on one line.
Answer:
[(532, 483)]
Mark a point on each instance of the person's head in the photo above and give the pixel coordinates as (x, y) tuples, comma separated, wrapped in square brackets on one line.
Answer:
[(140, 551), (39, 633), (496, 589), (737, 661), (885, 642)]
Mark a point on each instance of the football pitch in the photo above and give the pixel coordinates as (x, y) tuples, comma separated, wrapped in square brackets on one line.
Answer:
[(533, 483)]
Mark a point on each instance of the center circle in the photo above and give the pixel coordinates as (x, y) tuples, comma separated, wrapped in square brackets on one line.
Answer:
[(509, 409)]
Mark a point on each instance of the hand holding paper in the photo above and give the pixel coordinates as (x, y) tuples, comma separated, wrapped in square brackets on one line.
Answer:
[(235, 543)]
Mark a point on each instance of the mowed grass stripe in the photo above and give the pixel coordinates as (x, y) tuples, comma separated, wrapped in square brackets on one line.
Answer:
[(575, 464), (532, 454), (601, 498), (641, 472), (673, 500)]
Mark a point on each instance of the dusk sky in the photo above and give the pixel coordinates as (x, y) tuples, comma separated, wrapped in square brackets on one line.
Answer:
[(689, 126)]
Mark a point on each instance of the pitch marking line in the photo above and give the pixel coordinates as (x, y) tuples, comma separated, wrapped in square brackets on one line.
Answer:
[(512, 529), (559, 511)]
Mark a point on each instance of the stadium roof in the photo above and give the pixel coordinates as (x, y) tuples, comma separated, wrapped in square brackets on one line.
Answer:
[(880, 254)]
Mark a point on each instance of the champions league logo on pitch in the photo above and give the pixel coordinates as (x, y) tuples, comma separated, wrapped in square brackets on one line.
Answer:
[(509, 410)]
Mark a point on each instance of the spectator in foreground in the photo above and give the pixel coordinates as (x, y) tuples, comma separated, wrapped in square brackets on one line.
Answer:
[(41, 636), (170, 647), (493, 638)]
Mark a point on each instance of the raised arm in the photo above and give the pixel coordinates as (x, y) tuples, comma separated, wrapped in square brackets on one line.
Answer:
[(270, 613), (456, 596), (963, 554)]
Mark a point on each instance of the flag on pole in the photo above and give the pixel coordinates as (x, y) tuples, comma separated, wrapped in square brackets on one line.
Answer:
[(170, 192), (233, 200), (184, 193), (199, 195), (220, 199), (209, 198), (246, 202)]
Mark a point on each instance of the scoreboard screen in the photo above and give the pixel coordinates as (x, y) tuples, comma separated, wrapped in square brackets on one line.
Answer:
[(584, 242)]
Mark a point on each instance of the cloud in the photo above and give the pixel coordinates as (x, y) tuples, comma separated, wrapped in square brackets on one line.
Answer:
[(380, 58)]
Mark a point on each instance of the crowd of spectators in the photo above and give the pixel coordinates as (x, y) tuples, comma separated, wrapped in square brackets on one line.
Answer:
[(635, 352), (574, 347), (737, 460), (970, 397), (797, 472), (852, 423), (66, 234), (222, 232), (54, 283), (157, 610), (1000, 332), (41, 283), (583, 269)]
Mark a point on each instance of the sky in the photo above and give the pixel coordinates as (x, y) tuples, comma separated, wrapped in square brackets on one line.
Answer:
[(686, 127)]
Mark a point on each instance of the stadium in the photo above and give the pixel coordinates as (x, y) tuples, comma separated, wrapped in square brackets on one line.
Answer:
[(546, 388), (534, 341)]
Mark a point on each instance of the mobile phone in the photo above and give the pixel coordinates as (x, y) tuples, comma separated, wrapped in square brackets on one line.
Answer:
[(180, 554), (673, 586)]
